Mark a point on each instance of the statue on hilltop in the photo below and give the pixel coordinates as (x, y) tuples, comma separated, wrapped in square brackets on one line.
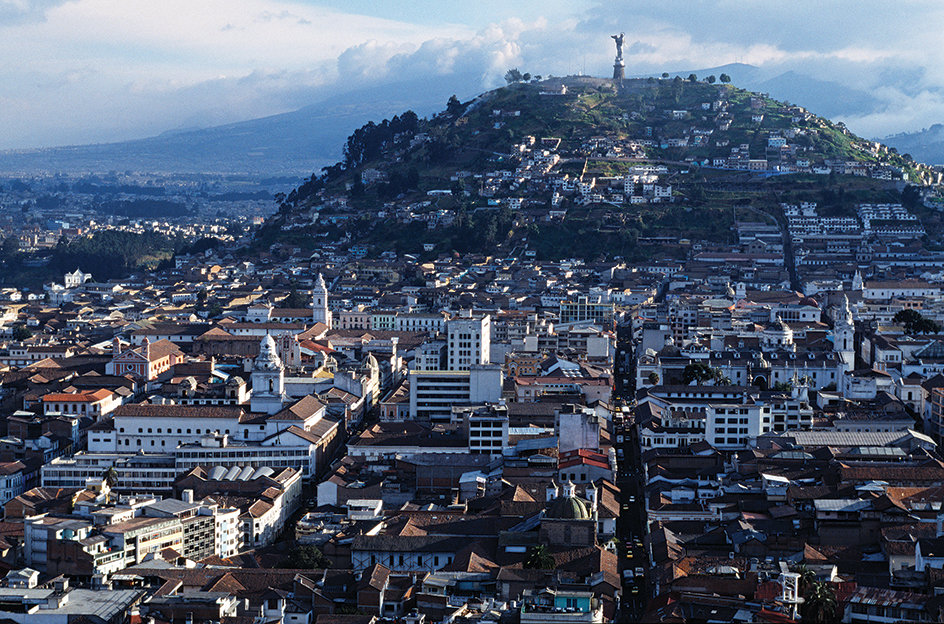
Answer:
[(619, 67), (619, 45)]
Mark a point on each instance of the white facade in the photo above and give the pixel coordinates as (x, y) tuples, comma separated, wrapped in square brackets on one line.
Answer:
[(433, 393), (469, 342)]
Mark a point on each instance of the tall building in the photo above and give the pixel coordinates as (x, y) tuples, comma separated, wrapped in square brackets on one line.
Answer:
[(469, 341), (319, 303), (467, 377)]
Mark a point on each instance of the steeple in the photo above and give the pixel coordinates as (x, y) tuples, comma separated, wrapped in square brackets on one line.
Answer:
[(319, 303), (268, 379), (843, 335)]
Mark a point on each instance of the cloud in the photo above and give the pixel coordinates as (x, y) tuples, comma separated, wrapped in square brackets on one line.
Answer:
[(14, 12), (93, 70)]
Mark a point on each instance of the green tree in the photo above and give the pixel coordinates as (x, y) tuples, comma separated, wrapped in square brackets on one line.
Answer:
[(294, 300), (710, 79), (665, 75), (701, 373), (513, 76), (110, 475), (11, 245), (910, 197), (782, 386), (653, 378), (22, 332), (724, 78), (454, 106), (539, 558), (692, 78), (305, 557), (820, 604), (915, 323)]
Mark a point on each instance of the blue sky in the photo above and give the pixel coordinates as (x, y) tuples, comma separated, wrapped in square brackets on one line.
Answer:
[(87, 71)]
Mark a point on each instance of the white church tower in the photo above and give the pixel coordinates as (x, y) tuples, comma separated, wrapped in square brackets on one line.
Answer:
[(844, 336), (268, 380), (319, 304)]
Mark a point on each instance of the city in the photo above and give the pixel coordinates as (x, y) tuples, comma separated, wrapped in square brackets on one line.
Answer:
[(677, 363)]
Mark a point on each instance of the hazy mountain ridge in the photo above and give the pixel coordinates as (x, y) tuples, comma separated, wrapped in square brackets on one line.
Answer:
[(303, 141), (297, 142), (926, 145)]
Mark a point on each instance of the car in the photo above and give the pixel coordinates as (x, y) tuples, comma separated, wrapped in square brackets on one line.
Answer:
[(628, 574), (640, 572), (634, 589), (632, 499), (638, 543), (619, 439), (629, 553)]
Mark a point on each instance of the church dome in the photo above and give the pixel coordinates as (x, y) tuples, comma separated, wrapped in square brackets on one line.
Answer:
[(759, 361), (669, 350), (567, 507)]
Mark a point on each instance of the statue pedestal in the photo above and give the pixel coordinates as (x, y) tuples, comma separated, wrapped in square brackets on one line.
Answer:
[(619, 69)]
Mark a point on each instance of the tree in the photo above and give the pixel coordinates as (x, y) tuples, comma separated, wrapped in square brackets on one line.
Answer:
[(724, 78), (305, 557), (454, 106), (915, 323), (653, 378), (294, 300), (701, 373), (665, 75), (539, 558), (782, 386), (526, 77), (910, 197), (692, 78), (22, 332), (513, 75), (11, 245), (820, 603), (710, 79), (110, 475)]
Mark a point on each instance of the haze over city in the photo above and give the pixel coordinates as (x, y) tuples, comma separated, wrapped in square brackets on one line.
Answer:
[(91, 71)]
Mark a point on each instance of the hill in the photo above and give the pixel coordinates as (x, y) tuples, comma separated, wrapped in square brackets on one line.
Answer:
[(925, 146), (582, 166)]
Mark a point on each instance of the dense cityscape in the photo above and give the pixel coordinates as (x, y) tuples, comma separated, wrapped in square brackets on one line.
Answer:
[(398, 391)]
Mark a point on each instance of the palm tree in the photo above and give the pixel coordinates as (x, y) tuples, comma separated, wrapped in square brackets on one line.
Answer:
[(539, 558), (110, 475), (807, 578), (820, 604)]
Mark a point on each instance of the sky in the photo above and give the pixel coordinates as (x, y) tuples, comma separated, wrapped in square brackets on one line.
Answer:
[(95, 71)]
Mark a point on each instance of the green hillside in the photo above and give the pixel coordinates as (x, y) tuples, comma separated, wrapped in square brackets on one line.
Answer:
[(406, 184)]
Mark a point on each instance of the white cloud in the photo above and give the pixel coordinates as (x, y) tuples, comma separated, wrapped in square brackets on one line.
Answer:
[(95, 70)]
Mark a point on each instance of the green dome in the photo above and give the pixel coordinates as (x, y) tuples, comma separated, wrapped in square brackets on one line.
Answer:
[(567, 508)]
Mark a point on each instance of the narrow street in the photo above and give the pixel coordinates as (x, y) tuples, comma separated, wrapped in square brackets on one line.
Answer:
[(631, 529)]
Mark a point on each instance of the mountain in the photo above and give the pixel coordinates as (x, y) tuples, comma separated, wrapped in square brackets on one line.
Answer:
[(501, 172), (823, 97), (298, 142), (924, 146), (303, 141)]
